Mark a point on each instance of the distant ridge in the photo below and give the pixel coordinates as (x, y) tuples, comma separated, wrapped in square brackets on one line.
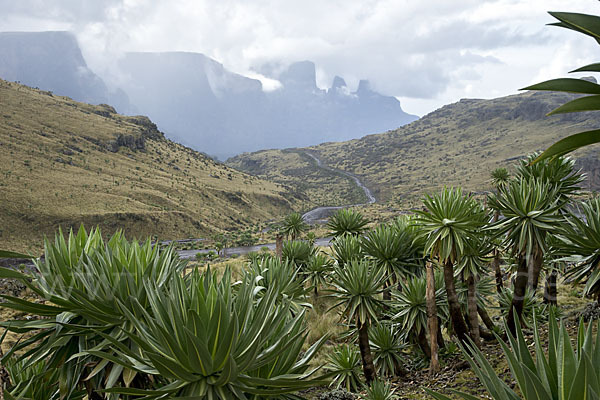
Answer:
[(458, 144), (197, 101)]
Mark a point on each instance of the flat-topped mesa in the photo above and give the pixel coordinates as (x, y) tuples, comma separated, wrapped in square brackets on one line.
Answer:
[(300, 75)]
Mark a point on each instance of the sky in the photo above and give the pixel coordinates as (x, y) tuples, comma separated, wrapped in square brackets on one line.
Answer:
[(427, 53)]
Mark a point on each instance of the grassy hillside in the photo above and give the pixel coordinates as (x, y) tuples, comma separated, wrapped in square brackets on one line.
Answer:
[(63, 163), (459, 144), (295, 168)]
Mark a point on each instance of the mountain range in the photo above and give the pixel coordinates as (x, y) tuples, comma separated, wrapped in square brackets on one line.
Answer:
[(197, 101), (456, 145)]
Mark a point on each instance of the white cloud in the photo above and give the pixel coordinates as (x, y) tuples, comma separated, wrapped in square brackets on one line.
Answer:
[(427, 53)]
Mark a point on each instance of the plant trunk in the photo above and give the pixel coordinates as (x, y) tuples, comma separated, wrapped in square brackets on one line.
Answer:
[(496, 262), (537, 262), (365, 351), (387, 290), (497, 271), (279, 245), (456, 316), (432, 320), (519, 288), (486, 334), (551, 290), (423, 343), (440, 337), (485, 317), (472, 310)]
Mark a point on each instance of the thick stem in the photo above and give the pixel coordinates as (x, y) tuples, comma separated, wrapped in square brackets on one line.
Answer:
[(485, 317), (537, 262), (423, 343), (387, 290), (279, 245), (472, 310), (519, 289), (456, 316), (497, 271), (432, 320), (551, 290), (440, 337), (365, 351)]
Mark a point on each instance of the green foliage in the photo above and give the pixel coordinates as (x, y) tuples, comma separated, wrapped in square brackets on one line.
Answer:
[(356, 287), (344, 364), (12, 254), (318, 269), (531, 305), (449, 221), (409, 304), (281, 276), (581, 241), (391, 248), (120, 318), (559, 172), (208, 341), (91, 286), (500, 177), (347, 248), (565, 371), (347, 222), (530, 208), (293, 225), (297, 252), (588, 25), (379, 390), (389, 349)]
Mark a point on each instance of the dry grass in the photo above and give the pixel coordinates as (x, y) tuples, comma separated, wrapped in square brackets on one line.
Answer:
[(457, 145), (57, 170)]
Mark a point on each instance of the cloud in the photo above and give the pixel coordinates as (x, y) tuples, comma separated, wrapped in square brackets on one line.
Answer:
[(437, 51)]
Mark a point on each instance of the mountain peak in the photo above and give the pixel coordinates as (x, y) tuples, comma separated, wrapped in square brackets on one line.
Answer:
[(338, 82), (300, 74)]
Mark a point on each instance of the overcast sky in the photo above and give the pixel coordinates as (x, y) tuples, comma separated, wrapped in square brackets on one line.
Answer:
[(427, 53)]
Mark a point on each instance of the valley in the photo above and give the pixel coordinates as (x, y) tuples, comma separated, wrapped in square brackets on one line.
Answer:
[(66, 163), (457, 145)]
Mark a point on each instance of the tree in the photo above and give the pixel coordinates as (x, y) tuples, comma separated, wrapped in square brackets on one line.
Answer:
[(471, 267), (392, 249), (449, 222), (347, 222), (531, 210), (588, 25), (294, 225), (356, 287)]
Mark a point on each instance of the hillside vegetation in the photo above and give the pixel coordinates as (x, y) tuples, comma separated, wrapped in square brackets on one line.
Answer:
[(64, 163), (459, 144)]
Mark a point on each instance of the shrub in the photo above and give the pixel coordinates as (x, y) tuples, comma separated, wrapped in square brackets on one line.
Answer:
[(565, 371), (344, 363)]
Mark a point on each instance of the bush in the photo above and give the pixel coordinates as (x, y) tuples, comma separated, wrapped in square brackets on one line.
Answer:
[(564, 371), (345, 364), (121, 319)]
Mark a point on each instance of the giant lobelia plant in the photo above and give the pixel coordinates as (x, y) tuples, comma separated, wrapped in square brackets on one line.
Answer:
[(565, 371), (88, 285)]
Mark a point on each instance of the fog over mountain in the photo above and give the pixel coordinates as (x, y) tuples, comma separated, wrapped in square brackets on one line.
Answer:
[(196, 100), (53, 61)]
